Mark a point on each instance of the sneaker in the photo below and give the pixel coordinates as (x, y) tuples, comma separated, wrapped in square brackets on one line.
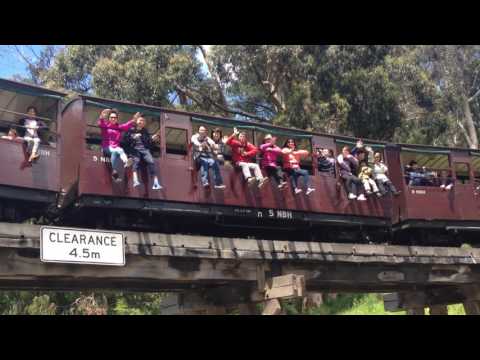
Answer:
[(136, 183), (115, 175), (369, 192), (282, 185), (157, 186), (205, 185), (33, 157), (129, 163), (250, 180), (309, 191), (442, 186), (262, 182), (221, 187), (361, 197), (397, 193), (378, 194), (448, 187), (298, 191), (352, 196)]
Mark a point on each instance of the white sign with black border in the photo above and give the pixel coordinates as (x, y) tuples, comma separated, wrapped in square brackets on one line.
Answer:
[(81, 246)]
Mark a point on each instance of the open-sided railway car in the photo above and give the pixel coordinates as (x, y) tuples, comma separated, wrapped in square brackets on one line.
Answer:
[(28, 189), (428, 213), (92, 196)]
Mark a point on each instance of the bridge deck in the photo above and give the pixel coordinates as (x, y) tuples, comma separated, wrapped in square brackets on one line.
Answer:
[(156, 262)]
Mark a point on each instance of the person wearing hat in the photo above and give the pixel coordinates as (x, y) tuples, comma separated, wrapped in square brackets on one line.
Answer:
[(271, 152)]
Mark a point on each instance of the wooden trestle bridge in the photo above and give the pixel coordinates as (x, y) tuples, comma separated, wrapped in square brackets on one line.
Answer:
[(208, 275)]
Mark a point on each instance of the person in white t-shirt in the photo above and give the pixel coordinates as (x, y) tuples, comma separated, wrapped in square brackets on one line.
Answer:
[(31, 125)]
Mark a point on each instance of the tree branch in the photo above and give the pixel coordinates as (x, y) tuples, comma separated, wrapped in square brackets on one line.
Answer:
[(190, 93), (22, 56), (474, 96)]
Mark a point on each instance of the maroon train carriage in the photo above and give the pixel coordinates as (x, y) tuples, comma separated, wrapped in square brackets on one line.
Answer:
[(27, 190), (183, 205), (427, 213)]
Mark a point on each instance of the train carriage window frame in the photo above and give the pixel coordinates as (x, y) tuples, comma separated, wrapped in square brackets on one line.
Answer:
[(93, 138), (462, 180), (180, 147), (376, 147), (435, 159), (226, 131), (475, 167), (15, 98)]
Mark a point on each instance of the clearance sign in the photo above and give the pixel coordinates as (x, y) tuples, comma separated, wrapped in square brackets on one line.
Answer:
[(81, 246)]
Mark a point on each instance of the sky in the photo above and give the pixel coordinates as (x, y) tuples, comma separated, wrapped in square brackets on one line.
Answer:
[(11, 63)]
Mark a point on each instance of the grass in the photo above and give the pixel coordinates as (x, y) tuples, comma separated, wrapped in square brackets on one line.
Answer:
[(361, 304)]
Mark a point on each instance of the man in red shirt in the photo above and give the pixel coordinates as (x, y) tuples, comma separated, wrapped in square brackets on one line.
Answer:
[(242, 154)]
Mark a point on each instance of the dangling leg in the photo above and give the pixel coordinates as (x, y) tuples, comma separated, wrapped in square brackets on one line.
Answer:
[(136, 163), (204, 171), (36, 143), (148, 158), (217, 176)]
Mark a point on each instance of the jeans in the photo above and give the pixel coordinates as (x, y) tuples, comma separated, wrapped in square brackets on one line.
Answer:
[(385, 186), (275, 172), (295, 174), (207, 163), (115, 153), (146, 155), (352, 183)]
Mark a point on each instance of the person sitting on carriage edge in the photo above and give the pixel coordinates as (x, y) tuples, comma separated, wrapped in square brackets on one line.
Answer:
[(291, 165), (326, 161), (111, 134), (242, 154), (348, 168), (220, 142), (271, 152), (380, 171), (204, 157), (30, 130), (366, 176), (138, 144)]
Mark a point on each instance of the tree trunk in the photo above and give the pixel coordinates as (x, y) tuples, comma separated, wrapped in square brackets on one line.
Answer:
[(472, 137)]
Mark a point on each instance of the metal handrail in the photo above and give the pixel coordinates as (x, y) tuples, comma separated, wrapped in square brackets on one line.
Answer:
[(23, 114)]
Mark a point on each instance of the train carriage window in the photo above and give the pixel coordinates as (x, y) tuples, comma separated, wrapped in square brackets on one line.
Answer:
[(13, 105), (462, 173), (476, 168), (93, 137), (259, 135), (225, 131), (326, 161), (176, 141), (369, 155), (428, 166)]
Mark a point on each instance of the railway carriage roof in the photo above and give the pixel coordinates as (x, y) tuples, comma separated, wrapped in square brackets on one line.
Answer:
[(29, 89)]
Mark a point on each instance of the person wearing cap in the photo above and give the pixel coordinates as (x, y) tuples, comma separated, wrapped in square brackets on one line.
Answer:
[(271, 152)]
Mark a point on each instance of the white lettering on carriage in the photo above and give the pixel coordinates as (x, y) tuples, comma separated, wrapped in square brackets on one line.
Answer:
[(44, 152), (284, 214), (102, 159)]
